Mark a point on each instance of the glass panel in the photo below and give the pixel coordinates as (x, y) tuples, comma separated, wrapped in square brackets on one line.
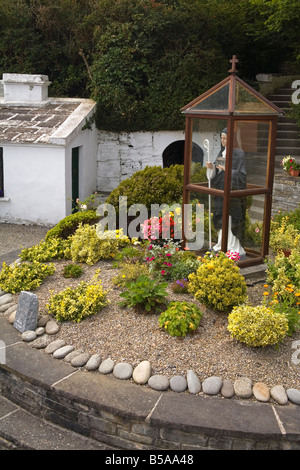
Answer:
[(250, 154), (217, 101), (201, 222), (246, 102), (254, 223), (206, 147)]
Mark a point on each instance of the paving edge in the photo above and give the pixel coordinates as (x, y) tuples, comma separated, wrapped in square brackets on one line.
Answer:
[(124, 415)]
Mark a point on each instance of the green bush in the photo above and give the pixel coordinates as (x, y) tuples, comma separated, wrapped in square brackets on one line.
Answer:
[(24, 276), (87, 246), (144, 293), (72, 270), (218, 283), (68, 226), (180, 318), (152, 185), (257, 326), (76, 304), (284, 270)]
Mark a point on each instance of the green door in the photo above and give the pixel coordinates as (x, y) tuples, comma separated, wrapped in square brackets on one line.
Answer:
[(75, 177)]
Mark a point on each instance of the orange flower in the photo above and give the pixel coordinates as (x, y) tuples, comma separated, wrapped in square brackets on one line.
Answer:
[(266, 293)]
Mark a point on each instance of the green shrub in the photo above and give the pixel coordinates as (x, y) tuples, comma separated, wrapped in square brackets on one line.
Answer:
[(152, 185), (72, 270), (68, 226), (257, 326), (24, 276), (144, 293), (87, 246), (180, 318), (218, 283), (78, 303), (46, 250), (130, 272), (283, 271)]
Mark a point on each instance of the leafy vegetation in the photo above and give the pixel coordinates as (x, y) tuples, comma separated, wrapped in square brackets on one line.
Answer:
[(142, 60)]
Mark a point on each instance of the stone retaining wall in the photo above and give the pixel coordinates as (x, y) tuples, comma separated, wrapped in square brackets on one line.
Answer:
[(286, 192), (130, 430)]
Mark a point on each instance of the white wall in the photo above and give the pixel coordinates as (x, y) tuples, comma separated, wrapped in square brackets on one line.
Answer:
[(34, 184), (87, 142), (121, 155)]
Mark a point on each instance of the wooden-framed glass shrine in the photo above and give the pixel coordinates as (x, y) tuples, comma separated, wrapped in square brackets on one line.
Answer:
[(236, 128)]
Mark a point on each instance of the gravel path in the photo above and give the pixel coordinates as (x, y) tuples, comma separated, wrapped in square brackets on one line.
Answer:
[(12, 236)]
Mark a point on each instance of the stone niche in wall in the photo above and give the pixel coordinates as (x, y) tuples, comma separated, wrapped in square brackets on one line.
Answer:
[(286, 192)]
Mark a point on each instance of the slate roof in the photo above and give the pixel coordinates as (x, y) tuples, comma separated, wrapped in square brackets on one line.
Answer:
[(34, 124)]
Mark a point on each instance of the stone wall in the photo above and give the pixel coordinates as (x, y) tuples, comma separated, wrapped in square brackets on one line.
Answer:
[(286, 192), (122, 154)]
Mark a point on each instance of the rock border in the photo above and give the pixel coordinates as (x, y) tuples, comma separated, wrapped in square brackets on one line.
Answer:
[(243, 387)]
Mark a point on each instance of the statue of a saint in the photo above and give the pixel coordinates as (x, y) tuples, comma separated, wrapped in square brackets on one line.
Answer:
[(237, 209)]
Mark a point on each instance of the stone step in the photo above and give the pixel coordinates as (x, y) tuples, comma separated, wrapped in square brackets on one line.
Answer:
[(20, 430)]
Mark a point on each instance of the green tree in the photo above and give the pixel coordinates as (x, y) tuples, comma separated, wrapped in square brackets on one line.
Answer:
[(151, 60)]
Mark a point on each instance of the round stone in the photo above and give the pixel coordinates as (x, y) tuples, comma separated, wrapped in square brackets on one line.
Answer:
[(52, 328), (261, 392), (293, 395), (72, 354), (193, 382), (243, 387), (60, 353), (54, 345), (212, 385), (227, 390), (159, 382), (107, 366), (278, 394), (29, 335), (123, 370), (94, 362), (178, 383), (42, 321), (142, 372), (41, 342), (40, 330), (80, 360)]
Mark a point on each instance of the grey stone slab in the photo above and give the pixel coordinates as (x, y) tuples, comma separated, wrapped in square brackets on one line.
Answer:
[(27, 312), (109, 393), (6, 407), (8, 334), (289, 416), (29, 432), (37, 366), (212, 415)]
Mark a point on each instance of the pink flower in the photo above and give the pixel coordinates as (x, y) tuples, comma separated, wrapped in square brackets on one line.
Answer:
[(257, 230)]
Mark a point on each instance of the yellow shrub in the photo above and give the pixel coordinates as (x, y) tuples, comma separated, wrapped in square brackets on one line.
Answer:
[(257, 326), (218, 283)]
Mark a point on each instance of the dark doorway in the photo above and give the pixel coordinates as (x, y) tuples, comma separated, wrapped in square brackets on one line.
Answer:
[(75, 177), (174, 154)]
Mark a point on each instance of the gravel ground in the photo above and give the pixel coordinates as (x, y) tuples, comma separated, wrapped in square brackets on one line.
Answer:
[(126, 335), (12, 236)]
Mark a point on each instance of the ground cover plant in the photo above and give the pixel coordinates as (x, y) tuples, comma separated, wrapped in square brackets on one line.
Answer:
[(25, 276)]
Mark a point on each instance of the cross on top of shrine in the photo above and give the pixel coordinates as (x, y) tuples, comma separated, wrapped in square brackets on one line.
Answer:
[(233, 61)]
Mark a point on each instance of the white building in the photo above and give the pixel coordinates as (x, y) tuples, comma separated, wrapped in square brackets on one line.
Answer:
[(48, 156)]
